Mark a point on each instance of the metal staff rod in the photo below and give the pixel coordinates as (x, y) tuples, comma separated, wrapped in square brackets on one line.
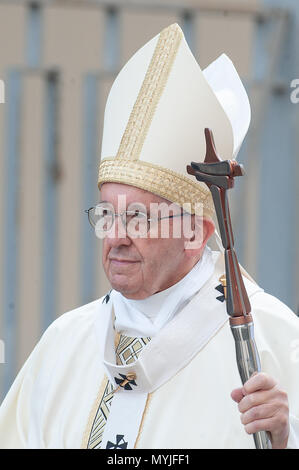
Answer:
[(219, 177)]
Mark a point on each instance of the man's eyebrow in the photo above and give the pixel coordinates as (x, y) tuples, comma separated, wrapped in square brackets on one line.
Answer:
[(134, 202)]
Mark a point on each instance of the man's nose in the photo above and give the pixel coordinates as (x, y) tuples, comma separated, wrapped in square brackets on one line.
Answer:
[(117, 235)]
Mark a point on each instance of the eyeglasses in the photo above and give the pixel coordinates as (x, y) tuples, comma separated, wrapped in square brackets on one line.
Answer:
[(136, 222)]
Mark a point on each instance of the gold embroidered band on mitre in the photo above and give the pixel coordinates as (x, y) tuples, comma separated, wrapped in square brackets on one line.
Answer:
[(158, 180), (150, 92)]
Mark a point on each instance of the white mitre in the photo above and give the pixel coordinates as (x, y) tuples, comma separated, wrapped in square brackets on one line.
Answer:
[(155, 116)]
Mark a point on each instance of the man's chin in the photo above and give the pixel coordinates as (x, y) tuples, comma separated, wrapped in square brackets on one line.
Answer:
[(120, 284)]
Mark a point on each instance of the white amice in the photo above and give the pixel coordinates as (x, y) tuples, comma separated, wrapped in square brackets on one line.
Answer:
[(146, 317)]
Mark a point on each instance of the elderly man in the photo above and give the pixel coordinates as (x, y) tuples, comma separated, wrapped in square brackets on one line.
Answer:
[(152, 364)]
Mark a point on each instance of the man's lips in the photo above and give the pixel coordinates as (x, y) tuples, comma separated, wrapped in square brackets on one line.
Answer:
[(123, 261)]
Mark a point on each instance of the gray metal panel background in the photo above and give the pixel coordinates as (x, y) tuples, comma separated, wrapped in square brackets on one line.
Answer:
[(11, 219), (279, 213), (267, 218)]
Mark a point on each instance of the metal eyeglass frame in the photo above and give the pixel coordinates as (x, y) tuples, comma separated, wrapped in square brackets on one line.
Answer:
[(115, 214)]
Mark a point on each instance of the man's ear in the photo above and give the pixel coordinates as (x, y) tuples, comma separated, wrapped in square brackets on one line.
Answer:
[(203, 228)]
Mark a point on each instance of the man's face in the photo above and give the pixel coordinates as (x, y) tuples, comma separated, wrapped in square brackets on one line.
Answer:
[(140, 267)]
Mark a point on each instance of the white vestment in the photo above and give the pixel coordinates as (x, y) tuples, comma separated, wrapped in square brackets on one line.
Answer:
[(180, 397)]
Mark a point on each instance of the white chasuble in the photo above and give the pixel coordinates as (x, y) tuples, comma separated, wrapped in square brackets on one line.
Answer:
[(182, 381)]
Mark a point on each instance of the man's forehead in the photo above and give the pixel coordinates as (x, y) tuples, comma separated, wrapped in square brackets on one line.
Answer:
[(111, 192)]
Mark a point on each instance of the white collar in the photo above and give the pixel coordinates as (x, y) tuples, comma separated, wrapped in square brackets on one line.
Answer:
[(147, 316)]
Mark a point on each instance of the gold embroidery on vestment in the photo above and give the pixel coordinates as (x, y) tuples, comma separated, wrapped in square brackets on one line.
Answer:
[(93, 413), (93, 435)]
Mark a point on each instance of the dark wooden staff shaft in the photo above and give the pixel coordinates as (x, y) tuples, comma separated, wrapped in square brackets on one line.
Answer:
[(219, 176)]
